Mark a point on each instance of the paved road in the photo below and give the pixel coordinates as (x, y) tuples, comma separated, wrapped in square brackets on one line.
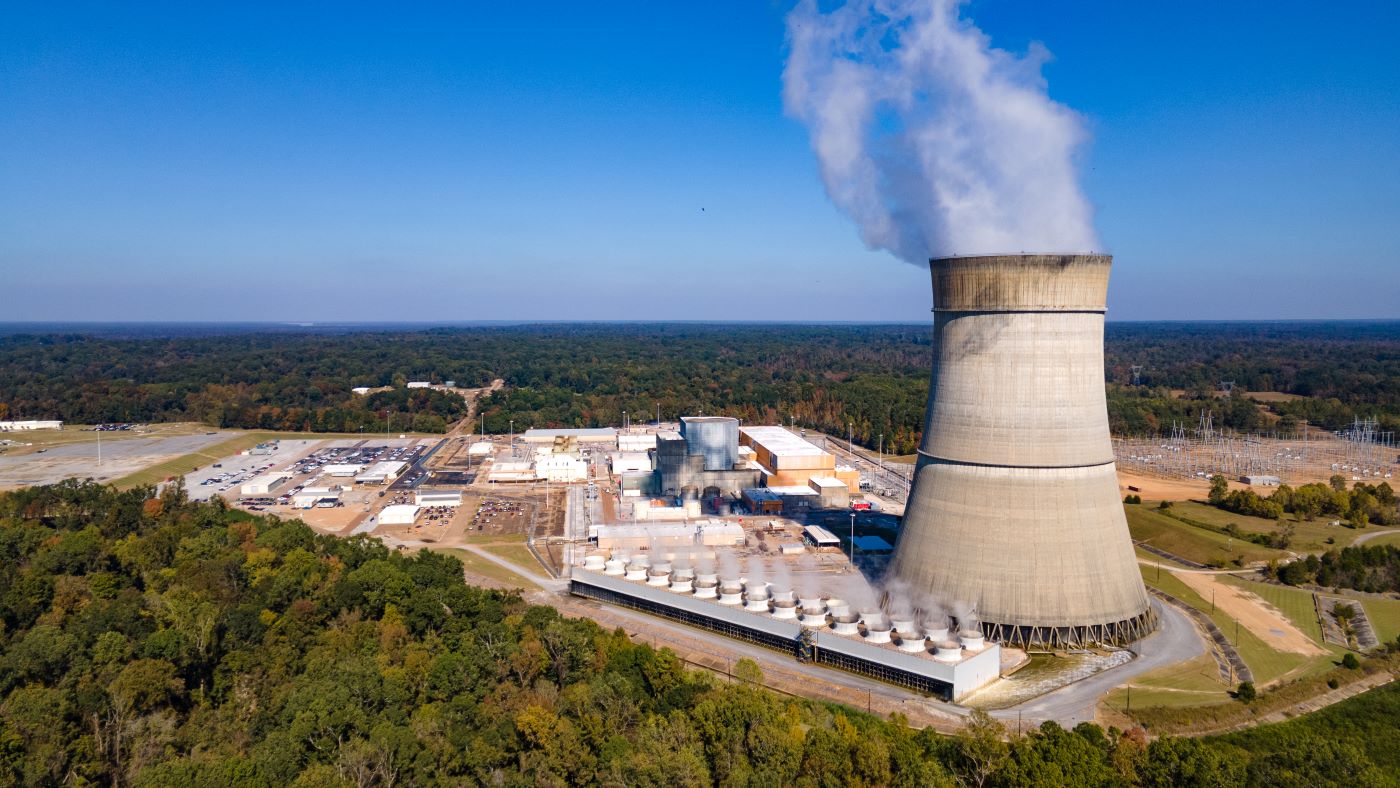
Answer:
[(1176, 641), (1364, 538)]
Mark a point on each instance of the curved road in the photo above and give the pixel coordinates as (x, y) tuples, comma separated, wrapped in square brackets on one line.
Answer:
[(1175, 641)]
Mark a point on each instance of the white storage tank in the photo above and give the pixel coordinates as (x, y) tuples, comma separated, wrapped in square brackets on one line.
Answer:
[(845, 624)]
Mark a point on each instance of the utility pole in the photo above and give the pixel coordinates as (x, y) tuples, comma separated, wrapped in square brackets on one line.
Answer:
[(853, 539), (512, 439)]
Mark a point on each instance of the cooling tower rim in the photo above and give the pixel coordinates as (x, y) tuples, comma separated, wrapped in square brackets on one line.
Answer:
[(1023, 256)]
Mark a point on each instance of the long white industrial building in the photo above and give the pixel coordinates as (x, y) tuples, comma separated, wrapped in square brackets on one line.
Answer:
[(952, 670)]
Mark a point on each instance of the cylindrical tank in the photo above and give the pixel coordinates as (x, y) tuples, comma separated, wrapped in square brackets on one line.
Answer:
[(972, 640), (904, 625), (757, 600), (878, 633), (948, 651), (911, 643), (845, 624), (1014, 506)]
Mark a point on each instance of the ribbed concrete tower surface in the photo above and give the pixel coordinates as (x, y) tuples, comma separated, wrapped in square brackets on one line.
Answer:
[(1015, 507)]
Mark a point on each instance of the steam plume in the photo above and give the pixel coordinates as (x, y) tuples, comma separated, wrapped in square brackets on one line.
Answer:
[(933, 141)]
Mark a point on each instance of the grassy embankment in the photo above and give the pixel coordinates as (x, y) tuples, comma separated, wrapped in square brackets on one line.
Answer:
[(1191, 695), (1204, 546), (476, 565), (1309, 536)]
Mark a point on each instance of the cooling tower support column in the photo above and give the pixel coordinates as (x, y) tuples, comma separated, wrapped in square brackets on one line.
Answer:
[(1014, 507)]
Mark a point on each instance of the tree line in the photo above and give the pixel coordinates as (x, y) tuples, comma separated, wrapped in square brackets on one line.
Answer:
[(868, 381), (1363, 504)]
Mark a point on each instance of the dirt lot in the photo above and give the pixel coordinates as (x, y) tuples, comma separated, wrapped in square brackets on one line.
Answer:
[(1253, 613), (1158, 489)]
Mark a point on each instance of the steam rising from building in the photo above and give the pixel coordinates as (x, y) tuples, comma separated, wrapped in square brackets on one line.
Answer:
[(932, 140)]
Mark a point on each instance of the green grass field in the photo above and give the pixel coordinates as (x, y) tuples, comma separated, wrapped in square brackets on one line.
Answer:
[(1266, 662), (1308, 536), (1392, 538), (517, 554), (477, 565), (1192, 543), (1296, 604), (1385, 617), (1191, 683)]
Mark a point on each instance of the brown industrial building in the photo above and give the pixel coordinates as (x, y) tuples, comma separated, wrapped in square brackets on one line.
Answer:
[(790, 461)]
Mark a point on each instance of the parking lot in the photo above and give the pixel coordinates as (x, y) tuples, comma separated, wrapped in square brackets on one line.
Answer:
[(225, 476)]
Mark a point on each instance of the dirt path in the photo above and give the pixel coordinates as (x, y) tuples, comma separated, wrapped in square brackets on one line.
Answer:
[(1253, 613), (472, 396), (1158, 489)]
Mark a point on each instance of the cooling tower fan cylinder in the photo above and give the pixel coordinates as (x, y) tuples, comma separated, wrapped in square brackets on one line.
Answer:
[(1014, 507)]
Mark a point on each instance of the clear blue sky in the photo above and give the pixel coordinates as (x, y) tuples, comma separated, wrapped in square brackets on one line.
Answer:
[(631, 161)]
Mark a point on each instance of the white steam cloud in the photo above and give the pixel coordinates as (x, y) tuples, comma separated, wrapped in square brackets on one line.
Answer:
[(934, 142)]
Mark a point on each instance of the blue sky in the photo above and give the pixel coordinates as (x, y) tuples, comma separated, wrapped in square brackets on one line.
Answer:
[(632, 161)]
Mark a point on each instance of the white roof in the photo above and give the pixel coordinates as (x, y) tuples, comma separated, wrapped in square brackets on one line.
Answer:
[(545, 436), (826, 481), (780, 442), (792, 490), (343, 467), (386, 468), (398, 513), (820, 535), (479, 448), (266, 480)]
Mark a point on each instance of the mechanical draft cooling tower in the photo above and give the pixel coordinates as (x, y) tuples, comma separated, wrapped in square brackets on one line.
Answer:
[(1014, 507)]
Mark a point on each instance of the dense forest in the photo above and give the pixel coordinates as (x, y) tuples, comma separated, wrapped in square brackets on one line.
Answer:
[(150, 640), (870, 379)]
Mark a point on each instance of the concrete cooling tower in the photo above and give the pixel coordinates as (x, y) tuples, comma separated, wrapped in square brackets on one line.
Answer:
[(1014, 507)]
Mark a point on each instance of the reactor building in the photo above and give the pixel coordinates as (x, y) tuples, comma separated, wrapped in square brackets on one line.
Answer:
[(1014, 508)]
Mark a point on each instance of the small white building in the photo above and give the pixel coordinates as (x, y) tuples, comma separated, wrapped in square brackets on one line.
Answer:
[(398, 514), (561, 468), (507, 472), (25, 426), (383, 472), (309, 497), (343, 469), (361, 390), (419, 384), (479, 449), (820, 538), (264, 484), (630, 462), (438, 497), (627, 442)]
